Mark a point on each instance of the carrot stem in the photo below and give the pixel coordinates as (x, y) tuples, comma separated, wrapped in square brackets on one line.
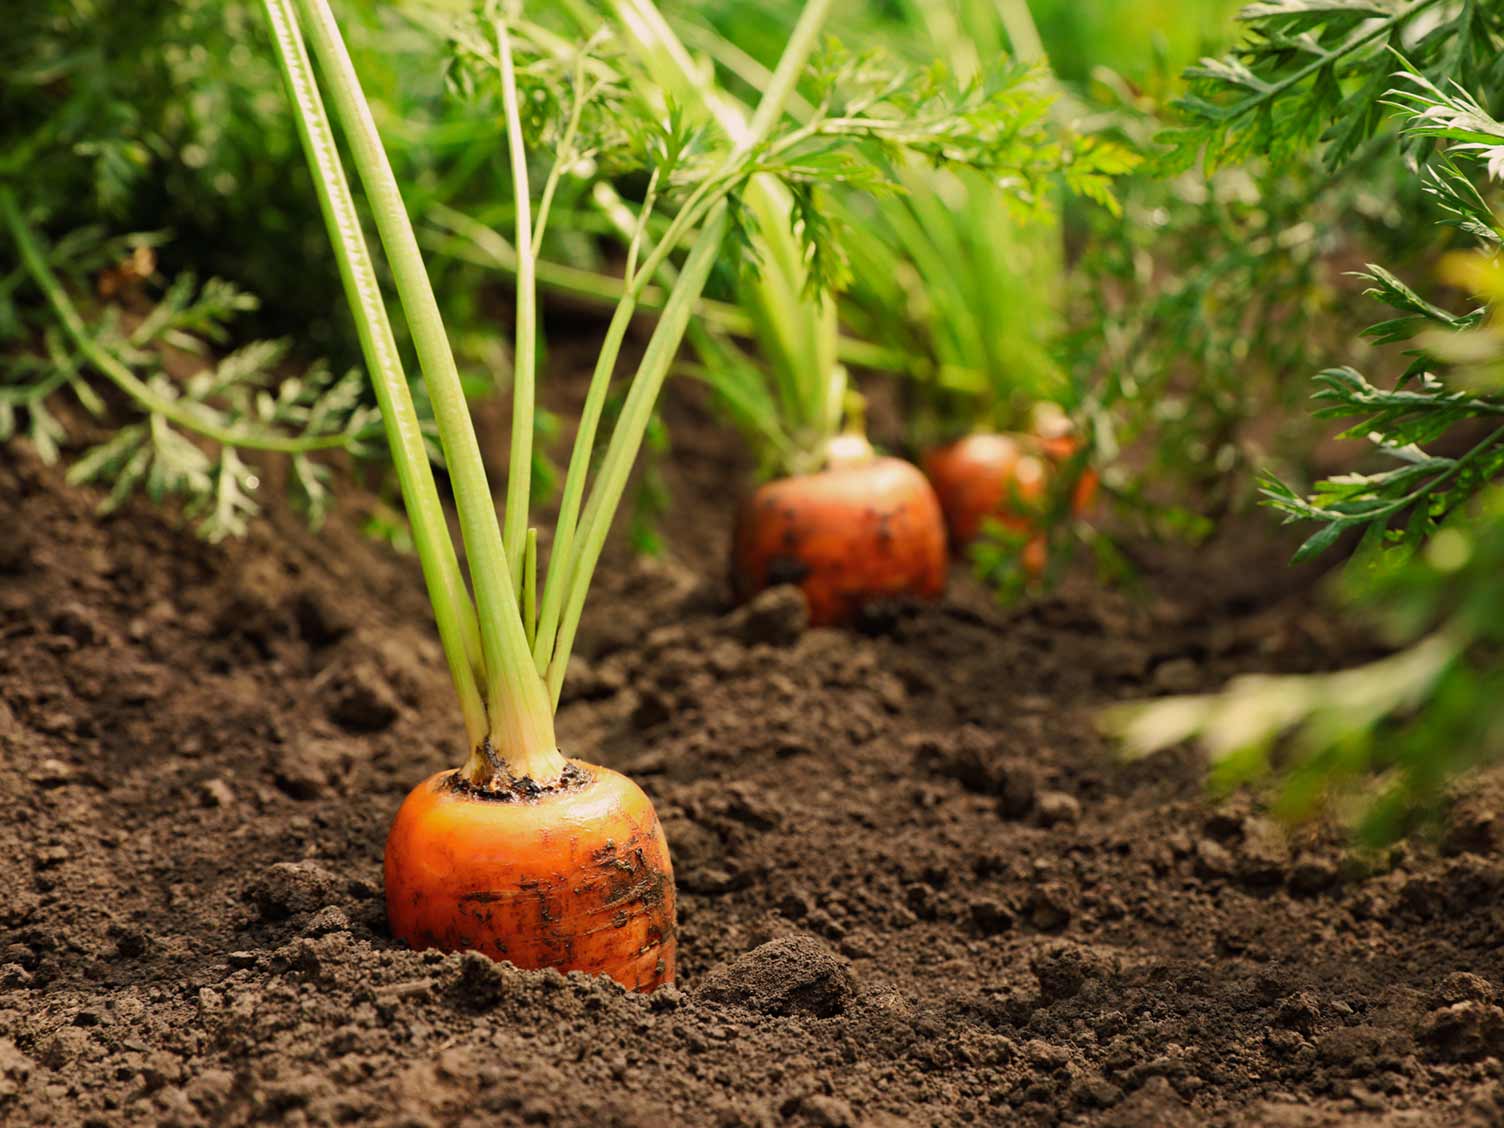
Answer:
[(1021, 30), (799, 333), (525, 364), (563, 555), (453, 611), (518, 644), (530, 585), (626, 439), (521, 718)]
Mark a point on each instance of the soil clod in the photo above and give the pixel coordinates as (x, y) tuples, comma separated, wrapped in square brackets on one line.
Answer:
[(793, 975), (1464, 1031), (286, 888), (775, 617), (361, 700)]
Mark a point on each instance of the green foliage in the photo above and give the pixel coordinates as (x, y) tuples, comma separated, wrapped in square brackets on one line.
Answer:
[(190, 427), (117, 116), (1143, 39), (141, 116), (1451, 379), (870, 116), (875, 134), (1147, 41), (132, 114), (1391, 734), (995, 130), (1199, 316), (1315, 72), (1430, 522)]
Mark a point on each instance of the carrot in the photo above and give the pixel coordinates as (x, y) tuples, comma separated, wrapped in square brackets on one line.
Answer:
[(864, 528), (1060, 443), (575, 877), (1006, 478), (987, 476)]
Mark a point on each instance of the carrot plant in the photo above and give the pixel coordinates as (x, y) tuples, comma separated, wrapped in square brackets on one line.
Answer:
[(472, 850), (970, 275), (1427, 521), (794, 403), (863, 119), (957, 271), (913, 117)]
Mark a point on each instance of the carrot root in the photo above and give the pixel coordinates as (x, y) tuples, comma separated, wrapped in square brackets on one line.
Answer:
[(576, 878)]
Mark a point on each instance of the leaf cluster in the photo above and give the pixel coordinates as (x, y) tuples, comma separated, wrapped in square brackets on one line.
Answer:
[(192, 412), (1450, 390), (1316, 73), (1204, 311), (140, 115), (1391, 735)]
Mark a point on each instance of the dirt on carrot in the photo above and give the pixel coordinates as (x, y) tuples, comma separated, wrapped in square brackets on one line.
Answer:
[(914, 886)]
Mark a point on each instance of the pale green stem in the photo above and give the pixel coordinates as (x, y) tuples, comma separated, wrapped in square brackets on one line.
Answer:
[(521, 718), (640, 229), (564, 153), (739, 63), (476, 243), (800, 330), (710, 345), (560, 553), (626, 437), (524, 366), (796, 52), (1018, 22), (561, 557), (458, 631), (632, 227), (530, 585), (942, 26), (799, 333)]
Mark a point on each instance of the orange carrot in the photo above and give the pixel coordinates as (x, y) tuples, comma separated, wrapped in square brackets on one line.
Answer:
[(1060, 443), (575, 877), (987, 476), (865, 528)]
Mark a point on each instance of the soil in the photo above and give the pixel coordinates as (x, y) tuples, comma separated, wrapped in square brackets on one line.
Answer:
[(916, 887)]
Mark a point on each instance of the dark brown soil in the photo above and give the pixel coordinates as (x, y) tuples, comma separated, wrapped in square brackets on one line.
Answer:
[(916, 888)]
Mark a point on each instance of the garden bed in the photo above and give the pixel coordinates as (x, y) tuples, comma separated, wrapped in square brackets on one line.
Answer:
[(915, 885)]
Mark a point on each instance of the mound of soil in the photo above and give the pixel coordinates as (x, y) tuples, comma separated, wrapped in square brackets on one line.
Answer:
[(915, 886)]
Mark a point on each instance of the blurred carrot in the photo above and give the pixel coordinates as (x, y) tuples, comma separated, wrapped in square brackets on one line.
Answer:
[(987, 476), (864, 528)]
